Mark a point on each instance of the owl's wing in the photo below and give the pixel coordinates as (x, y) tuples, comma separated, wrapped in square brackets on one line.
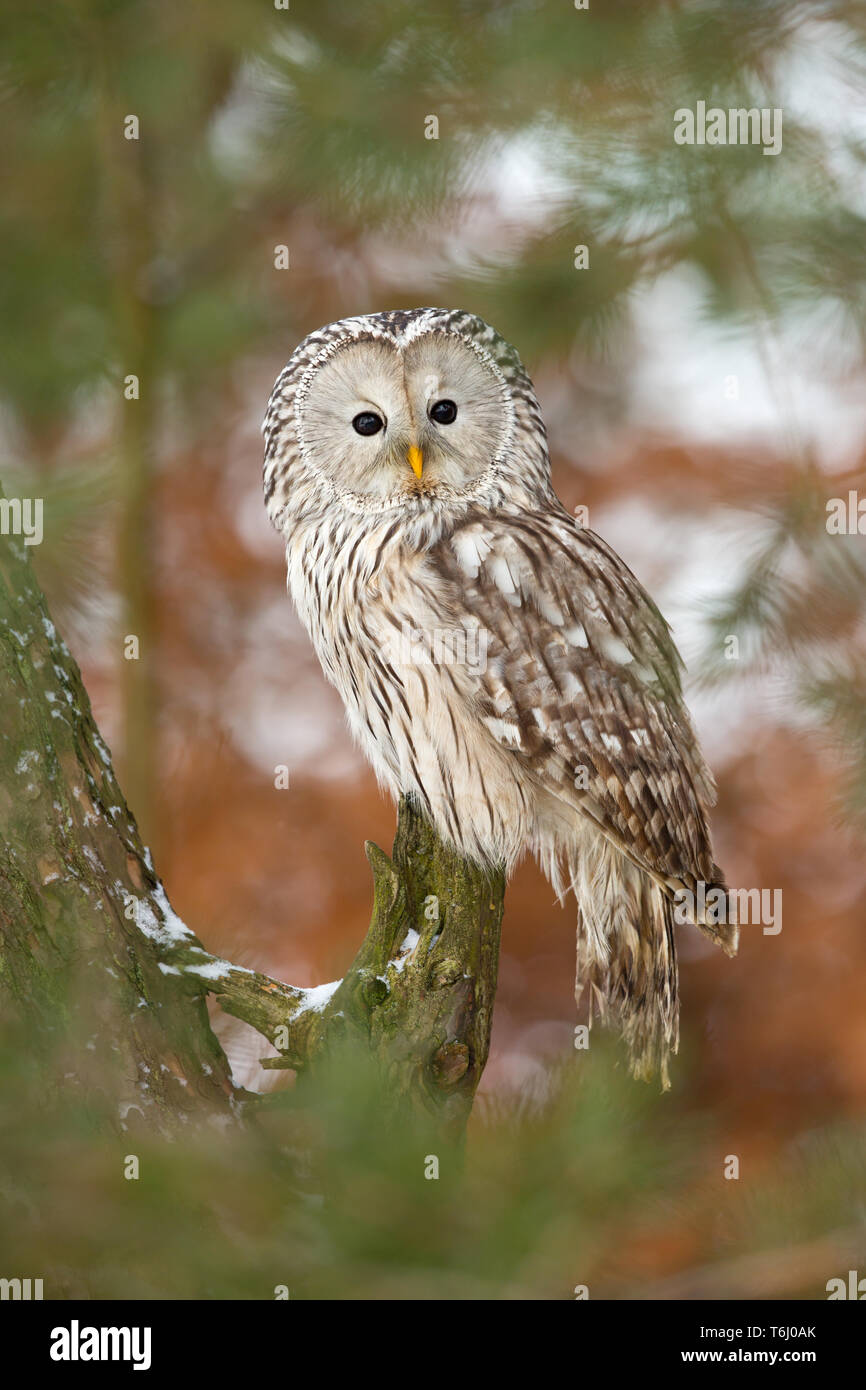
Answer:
[(582, 682)]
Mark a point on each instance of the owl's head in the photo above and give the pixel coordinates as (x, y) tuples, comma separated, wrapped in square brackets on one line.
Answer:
[(422, 409)]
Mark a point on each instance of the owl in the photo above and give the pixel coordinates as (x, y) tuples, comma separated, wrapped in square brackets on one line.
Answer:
[(497, 661)]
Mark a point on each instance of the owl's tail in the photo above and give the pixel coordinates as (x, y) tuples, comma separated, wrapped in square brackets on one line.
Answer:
[(626, 955), (626, 952)]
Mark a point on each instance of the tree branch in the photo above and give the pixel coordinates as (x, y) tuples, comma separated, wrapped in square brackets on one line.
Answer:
[(419, 994)]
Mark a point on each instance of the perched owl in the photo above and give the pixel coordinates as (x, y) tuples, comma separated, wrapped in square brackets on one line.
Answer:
[(497, 661)]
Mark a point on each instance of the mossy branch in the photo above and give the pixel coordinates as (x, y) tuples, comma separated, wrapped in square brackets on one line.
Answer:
[(418, 997)]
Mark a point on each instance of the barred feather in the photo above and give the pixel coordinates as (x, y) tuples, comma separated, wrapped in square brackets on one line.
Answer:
[(571, 738)]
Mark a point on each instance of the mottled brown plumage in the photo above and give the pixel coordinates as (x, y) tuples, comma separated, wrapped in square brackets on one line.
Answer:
[(496, 660)]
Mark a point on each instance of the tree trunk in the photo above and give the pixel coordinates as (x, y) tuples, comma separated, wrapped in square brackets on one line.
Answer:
[(420, 991), (85, 927), (102, 967), (129, 195)]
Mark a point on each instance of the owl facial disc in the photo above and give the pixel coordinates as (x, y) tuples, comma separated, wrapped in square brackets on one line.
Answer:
[(383, 420)]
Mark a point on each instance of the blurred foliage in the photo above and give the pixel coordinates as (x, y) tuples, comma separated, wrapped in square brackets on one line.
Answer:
[(798, 612), (562, 1187), (306, 126), (254, 120)]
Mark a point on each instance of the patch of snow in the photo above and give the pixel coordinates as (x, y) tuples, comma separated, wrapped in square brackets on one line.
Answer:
[(316, 998), (214, 970), (177, 929)]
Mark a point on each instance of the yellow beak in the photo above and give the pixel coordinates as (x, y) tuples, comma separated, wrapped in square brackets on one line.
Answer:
[(416, 460)]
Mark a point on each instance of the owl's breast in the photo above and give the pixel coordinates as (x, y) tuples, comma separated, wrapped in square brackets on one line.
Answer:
[(389, 636)]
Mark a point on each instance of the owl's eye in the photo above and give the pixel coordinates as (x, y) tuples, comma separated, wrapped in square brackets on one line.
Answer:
[(368, 422), (443, 412)]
